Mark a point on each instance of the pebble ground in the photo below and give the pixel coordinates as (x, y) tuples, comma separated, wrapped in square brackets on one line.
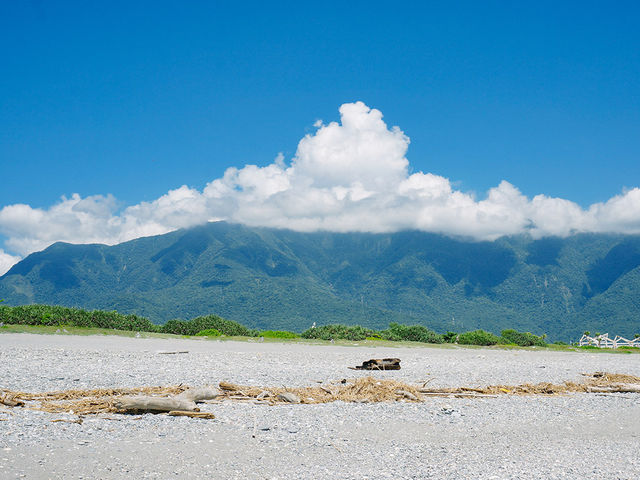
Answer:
[(573, 436)]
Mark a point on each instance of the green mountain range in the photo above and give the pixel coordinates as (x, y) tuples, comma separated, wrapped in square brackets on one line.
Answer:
[(280, 279)]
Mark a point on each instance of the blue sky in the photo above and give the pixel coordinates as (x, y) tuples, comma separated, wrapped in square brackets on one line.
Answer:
[(135, 101)]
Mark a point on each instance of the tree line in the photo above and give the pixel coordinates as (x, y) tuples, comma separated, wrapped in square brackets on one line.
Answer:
[(213, 325)]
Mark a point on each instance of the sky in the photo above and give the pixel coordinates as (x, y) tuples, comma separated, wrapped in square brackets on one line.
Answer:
[(478, 119)]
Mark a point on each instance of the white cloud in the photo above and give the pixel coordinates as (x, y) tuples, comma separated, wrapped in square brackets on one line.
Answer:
[(7, 261), (347, 176)]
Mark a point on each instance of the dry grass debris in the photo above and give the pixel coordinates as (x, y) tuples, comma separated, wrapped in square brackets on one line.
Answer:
[(83, 402), (361, 390), (366, 389)]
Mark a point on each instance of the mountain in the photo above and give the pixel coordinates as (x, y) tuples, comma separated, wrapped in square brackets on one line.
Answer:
[(280, 279)]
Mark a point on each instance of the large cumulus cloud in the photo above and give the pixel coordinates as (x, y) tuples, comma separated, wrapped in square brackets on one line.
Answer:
[(347, 176)]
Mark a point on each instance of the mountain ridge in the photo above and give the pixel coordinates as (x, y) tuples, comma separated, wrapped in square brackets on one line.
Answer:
[(281, 279)]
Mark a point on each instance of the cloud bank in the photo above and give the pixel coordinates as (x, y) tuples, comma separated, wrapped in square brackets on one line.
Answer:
[(347, 176)]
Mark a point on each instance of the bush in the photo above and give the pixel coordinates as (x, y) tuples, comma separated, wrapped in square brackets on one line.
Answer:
[(450, 337), (521, 339), (192, 327), (278, 334), (478, 337), (413, 333), (178, 327), (209, 332), (52, 315), (337, 331)]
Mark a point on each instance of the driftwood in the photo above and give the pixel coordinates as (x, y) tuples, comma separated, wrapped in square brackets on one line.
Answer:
[(379, 364), (620, 388), (154, 404), (230, 387), (180, 413), (77, 420), (10, 401), (198, 395), (407, 395), (456, 395), (288, 397)]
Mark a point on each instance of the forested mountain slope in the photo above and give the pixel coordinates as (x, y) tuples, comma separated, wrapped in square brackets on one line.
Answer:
[(280, 279)]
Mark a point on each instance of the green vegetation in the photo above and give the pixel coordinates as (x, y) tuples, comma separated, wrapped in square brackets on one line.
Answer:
[(478, 337), (337, 331), (75, 317), (209, 332), (522, 339), (48, 316), (45, 319), (278, 334), (450, 337), (413, 333), (207, 322), (420, 333), (281, 280)]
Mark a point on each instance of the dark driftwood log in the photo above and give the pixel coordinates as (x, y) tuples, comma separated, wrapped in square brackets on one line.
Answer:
[(380, 364), (198, 394), (154, 404)]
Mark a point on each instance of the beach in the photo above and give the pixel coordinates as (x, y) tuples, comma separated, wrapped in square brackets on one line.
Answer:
[(564, 436)]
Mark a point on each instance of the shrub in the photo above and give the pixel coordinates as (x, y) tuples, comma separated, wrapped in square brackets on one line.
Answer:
[(226, 327), (337, 331), (52, 315), (413, 333), (192, 327), (178, 327), (209, 332), (450, 337), (521, 339), (278, 334), (478, 337)]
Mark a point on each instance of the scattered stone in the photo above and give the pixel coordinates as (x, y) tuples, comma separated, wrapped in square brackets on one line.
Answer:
[(447, 409)]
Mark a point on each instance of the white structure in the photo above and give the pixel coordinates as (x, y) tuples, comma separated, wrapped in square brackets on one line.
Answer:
[(603, 341)]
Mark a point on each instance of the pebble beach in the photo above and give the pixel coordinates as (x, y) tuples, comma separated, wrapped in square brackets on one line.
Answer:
[(508, 437)]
